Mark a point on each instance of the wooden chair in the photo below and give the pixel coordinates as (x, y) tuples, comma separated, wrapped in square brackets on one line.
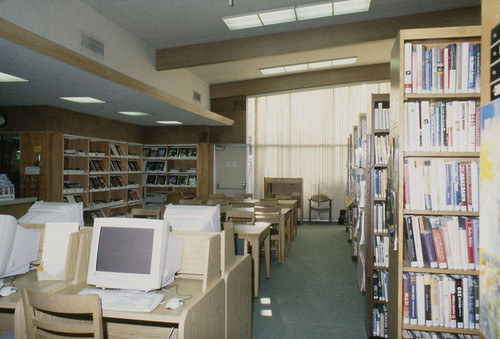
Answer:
[(51, 315), (283, 196), (267, 203), (240, 216), (317, 203), (190, 202), (272, 215), (244, 196), (221, 202), (147, 213), (217, 196)]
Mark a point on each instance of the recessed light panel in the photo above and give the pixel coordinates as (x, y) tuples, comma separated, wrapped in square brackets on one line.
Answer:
[(133, 114), (314, 11), (320, 64), (272, 70), (169, 122), (278, 16), (296, 68), (345, 61), (4, 77), (83, 100), (351, 6), (242, 21)]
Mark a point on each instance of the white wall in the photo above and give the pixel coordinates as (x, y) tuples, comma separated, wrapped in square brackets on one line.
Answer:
[(62, 21)]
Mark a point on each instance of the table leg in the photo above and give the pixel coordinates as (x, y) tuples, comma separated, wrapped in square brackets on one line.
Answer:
[(282, 238), (267, 251), (245, 246), (289, 231), (255, 257)]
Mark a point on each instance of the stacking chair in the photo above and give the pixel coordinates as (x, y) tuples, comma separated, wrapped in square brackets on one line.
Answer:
[(272, 215), (283, 196), (267, 203), (190, 202), (221, 202), (217, 196), (51, 315), (240, 216), (320, 203), (147, 213), (245, 196)]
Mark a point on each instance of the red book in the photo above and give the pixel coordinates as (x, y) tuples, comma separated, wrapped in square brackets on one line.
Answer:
[(470, 244), (469, 187), (439, 247)]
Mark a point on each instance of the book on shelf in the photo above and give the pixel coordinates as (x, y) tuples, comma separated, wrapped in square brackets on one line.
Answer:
[(379, 224), (151, 179), (455, 68), (380, 285), (183, 179), (381, 144), (380, 251), (173, 152), (161, 180), (380, 321), (381, 117), (443, 126), (146, 151), (133, 166), (172, 179), (183, 152), (380, 183), (441, 185), (192, 180), (162, 151), (192, 152)]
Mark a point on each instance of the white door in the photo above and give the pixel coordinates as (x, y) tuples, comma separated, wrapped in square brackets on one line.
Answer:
[(230, 169)]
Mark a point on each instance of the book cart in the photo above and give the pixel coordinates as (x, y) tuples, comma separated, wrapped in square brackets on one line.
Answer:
[(376, 235), (419, 176)]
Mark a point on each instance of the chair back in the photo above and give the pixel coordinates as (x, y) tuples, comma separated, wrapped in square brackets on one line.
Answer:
[(267, 203), (283, 196), (214, 202), (267, 214), (47, 314), (190, 202), (245, 196), (319, 198), (217, 196), (240, 216), (147, 213)]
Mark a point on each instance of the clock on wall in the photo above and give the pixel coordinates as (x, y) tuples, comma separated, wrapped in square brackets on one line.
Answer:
[(3, 121)]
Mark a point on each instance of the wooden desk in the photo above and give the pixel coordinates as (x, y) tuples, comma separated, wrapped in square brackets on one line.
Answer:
[(8, 304), (255, 235), (284, 227)]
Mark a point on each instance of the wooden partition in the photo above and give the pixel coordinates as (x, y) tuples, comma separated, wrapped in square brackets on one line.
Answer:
[(293, 186)]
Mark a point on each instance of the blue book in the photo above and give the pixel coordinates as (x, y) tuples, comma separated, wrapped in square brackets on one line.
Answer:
[(428, 249), (472, 68), (449, 198), (377, 183), (475, 238), (456, 186), (477, 80), (472, 306), (428, 71)]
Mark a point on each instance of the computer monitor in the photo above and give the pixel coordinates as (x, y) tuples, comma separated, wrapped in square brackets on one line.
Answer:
[(133, 253), (193, 218), (18, 247), (43, 212)]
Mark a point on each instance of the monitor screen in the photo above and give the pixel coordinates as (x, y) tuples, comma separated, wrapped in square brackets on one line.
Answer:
[(133, 253), (125, 250)]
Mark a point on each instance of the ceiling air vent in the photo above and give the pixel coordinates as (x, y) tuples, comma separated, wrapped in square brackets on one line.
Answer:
[(91, 44), (197, 96)]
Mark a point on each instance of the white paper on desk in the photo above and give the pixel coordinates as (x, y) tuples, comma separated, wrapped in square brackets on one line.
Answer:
[(55, 245)]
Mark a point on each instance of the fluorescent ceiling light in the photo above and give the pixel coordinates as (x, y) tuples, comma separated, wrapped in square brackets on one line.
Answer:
[(278, 16), (4, 77), (133, 114), (351, 6), (320, 64), (295, 68), (319, 10), (83, 100), (242, 21), (169, 122), (345, 61), (273, 70)]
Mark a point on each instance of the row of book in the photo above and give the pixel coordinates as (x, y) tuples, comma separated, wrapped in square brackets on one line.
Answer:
[(455, 68), (381, 149), (381, 251), (116, 166), (445, 242), (441, 185), (413, 334), (444, 126), (133, 166), (116, 181), (173, 152), (133, 195), (381, 119), (97, 165), (450, 301), (116, 150), (379, 224), (155, 166), (380, 319), (379, 182), (183, 180), (97, 182), (74, 199), (381, 285)]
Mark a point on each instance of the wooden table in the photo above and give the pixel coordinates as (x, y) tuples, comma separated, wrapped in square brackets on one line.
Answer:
[(255, 235), (285, 226)]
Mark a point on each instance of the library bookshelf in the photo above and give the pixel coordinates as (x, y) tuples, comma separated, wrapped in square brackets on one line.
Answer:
[(103, 174), (376, 233), (407, 211)]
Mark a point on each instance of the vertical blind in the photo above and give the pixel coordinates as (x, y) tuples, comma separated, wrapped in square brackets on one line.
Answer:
[(304, 135)]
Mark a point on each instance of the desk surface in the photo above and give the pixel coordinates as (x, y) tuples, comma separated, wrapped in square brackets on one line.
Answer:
[(17, 201), (250, 230)]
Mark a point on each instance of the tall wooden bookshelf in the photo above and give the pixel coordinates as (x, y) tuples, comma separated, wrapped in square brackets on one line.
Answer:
[(376, 235), (431, 38)]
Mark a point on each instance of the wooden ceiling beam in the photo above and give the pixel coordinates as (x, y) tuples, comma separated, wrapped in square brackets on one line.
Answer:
[(310, 39), (301, 81)]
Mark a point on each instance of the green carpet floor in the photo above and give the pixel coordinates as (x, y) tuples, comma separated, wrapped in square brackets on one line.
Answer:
[(314, 294)]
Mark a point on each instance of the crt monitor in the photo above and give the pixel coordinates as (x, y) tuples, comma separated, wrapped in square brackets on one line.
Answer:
[(133, 253), (18, 247), (43, 212), (193, 218)]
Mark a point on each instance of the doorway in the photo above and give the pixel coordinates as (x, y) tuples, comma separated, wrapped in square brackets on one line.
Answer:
[(230, 169)]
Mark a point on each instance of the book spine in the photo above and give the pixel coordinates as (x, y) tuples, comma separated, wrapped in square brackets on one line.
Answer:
[(453, 303), (465, 301), (408, 67), (462, 225), (427, 300), (435, 310), (472, 68), (440, 72), (470, 244), (445, 233), (439, 248), (406, 299), (420, 299), (427, 84), (429, 253), (446, 75), (459, 302), (468, 179), (413, 299), (420, 68), (463, 187), (476, 302), (434, 70), (471, 143), (478, 128), (475, 236), (418, 244), (471, 302), (477, 85), (444, 127), (453, 68)]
